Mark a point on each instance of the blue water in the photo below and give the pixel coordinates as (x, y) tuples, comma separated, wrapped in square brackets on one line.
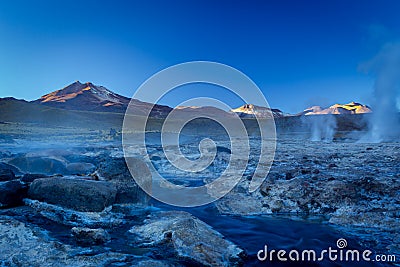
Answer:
[(251, 233)]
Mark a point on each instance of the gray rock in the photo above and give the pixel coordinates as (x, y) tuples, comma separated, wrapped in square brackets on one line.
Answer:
[(88, 236), (77, 194), (155, 263), (27, 246), (332, 165), (38, 164), (105, 218), (155, 158), (5, 166), (12, 193), (130, 192), (342, 177), (111, 169), (190, 238), (115, 170), (82, 168), (30, 177), (239, 204), (6, 175), (222, 149), (289, 175)]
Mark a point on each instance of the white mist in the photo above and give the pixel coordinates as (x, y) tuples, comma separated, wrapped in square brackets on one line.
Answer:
[(384, 122)]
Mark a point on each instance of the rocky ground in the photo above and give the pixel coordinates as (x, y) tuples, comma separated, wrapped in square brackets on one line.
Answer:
[(80, 207), (355, 186)]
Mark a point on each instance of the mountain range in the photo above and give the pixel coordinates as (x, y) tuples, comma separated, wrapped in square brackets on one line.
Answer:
[(90, 97), (250, 110), (350, 108), (93, 98)]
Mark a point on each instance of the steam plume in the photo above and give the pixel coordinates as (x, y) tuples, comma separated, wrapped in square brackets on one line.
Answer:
[(385, 66), (323, 127)]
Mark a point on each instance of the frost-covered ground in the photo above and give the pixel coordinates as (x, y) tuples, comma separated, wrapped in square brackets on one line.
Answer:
[(69, 198), (354, 186)]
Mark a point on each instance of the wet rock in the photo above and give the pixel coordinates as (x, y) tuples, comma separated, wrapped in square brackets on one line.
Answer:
[(88, 236), (115, 170), (190, 238), (315, 171), (130, 192), (222, 149), (5, 166), (289, 175), (30, 177), (6, 175), (336, 190), (155, 158), (332, 165), (82, 168), (303, 195), (276, 205), (334, 156), (112, 168), (104, 219), (359, 216), (239, 204), (155, 263), (136, 211), (38, 164), (77, 194), (12, 193), (305, 171), (23, 245)]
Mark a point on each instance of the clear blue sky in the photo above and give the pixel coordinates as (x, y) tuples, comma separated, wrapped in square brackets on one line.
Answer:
[(299, 53)]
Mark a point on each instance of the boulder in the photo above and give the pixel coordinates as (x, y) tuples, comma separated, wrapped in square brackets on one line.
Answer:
[(25, 245), (190, 238), (88, 236), (222, 149), (115, 170), (77, 194), (83, 168), (6, 175), (39, 164), (8, 172), (5, 166), (111, 168), (69, 217), (30, 177), (12, 193)]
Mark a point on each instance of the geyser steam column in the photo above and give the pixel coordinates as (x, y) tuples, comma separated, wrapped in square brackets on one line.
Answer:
[(163, 82), (384, 123)]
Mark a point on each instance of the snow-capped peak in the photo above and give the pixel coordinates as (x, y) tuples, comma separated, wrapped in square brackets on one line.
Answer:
[(250, 110), (350, 108), (88, 90)]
